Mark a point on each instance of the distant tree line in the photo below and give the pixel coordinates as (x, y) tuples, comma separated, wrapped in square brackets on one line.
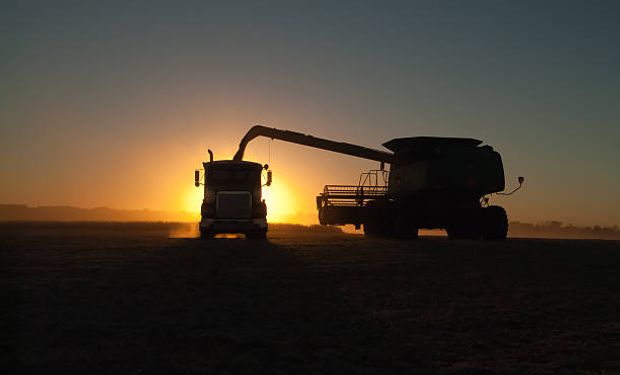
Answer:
[(17, 213), (556, 229)]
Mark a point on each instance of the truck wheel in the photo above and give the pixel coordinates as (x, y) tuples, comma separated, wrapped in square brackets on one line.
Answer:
[(260, 234), (494, 223)]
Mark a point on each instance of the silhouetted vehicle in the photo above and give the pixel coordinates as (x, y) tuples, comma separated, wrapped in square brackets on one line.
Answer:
[(433, 183), (233, 198)]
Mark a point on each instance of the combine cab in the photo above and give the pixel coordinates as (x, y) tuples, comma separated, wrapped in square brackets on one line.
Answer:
[(434, 183)]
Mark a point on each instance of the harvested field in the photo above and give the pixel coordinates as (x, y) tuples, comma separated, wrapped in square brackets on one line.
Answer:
[(129, 298)]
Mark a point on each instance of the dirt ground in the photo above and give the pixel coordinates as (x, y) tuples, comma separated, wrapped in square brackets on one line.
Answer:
[(129, 299)]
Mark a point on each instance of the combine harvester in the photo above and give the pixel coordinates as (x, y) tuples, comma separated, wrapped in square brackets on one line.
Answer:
[(432, 183)]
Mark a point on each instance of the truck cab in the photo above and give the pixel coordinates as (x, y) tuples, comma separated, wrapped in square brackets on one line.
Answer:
[(233, 199)]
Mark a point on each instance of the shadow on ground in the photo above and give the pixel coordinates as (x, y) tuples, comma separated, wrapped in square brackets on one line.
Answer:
[(103, 302)]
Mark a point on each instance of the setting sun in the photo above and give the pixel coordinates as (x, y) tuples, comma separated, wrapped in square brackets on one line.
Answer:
[(281, 203), (193, 199)]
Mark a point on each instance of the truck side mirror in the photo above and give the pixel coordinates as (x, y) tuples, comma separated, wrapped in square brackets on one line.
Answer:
[(269, 178), (196, 178), (521, 179)]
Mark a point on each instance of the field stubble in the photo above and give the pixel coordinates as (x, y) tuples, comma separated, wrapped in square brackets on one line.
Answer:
[(104, 298)]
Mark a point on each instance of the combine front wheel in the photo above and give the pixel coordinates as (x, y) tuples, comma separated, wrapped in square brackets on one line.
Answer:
[(404, 227), (206, 234), (378, 221)]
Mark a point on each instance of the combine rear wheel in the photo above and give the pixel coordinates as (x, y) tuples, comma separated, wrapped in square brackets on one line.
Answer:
[(494, 223), (466, 225), (206, 234)]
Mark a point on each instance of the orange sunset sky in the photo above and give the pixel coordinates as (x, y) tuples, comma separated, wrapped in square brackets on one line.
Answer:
[(116, 104)]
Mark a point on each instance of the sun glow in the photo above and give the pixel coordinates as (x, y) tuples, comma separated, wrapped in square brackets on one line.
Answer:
[(193, 199), (281, 204)]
